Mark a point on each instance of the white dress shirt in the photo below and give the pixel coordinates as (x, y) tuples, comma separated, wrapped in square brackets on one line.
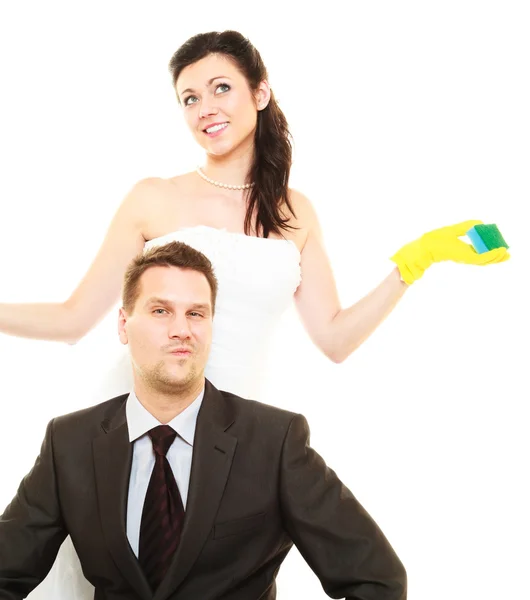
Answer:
[(179, 455)]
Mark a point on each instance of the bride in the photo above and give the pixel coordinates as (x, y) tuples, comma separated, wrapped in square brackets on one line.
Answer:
[(262, 237)]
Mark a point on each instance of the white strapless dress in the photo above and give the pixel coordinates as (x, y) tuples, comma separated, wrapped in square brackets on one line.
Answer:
[(257, 280)]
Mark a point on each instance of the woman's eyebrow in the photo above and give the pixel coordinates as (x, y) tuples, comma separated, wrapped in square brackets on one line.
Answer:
[(209, 82)]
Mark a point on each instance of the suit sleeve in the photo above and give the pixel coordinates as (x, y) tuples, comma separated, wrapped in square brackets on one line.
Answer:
[(31, 528), (338, 539)]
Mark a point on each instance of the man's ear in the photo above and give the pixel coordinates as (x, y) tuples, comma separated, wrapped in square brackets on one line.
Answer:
[(122, 326), (263, 95)]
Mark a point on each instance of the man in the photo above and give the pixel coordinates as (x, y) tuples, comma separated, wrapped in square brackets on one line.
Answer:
[(207, 514)]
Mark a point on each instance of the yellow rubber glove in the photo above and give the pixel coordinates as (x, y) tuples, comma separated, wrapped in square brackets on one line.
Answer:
[(442, 244)]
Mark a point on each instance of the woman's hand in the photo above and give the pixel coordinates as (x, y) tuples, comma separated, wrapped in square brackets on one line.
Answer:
[(439, 245)]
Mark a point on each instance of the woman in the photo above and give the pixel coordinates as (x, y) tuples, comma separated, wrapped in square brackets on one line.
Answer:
[(263, 239)]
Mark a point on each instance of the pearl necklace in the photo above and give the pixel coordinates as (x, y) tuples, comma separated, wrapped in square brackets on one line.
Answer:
[(245, 186)]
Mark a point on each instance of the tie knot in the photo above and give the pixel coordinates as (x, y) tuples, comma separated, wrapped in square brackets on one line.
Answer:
[(162, 438)]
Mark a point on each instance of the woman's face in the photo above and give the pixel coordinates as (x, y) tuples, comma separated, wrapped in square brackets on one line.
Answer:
[(219, 106)]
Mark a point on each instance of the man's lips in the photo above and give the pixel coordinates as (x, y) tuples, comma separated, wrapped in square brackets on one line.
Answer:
[(181, 351)]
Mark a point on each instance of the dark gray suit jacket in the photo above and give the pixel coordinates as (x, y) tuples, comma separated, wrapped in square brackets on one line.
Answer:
[(256, 487)]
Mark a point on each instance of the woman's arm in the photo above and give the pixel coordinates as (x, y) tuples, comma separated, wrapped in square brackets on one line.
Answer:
[(335, 330), (99, 289), (339, 331)]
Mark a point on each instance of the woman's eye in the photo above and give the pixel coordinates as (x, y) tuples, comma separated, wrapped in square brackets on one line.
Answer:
[(187, 101), (222, 87)]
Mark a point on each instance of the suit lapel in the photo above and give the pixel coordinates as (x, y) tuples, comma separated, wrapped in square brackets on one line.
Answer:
[(213, 452), (112, 453)]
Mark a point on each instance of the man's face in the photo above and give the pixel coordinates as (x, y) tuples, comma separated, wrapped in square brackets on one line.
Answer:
[(169, 329)]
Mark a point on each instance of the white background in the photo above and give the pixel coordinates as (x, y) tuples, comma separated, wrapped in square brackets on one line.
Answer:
[(406, 116)]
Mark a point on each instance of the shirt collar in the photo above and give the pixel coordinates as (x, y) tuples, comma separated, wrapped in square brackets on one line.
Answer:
[(140, 420)]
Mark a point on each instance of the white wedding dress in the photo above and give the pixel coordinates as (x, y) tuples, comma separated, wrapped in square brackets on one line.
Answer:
[(257, 279)]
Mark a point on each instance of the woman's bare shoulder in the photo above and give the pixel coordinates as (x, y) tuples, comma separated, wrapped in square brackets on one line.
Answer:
[(163, 184), (183, 181), (305, 215), (157, 203), (151, 192)]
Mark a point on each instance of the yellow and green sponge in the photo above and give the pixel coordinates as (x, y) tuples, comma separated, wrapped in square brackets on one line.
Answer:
[(486, 237)]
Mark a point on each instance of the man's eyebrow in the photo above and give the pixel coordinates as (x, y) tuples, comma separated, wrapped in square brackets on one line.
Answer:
[(155, 300), (195, 306), (198, 306), (210, 81)]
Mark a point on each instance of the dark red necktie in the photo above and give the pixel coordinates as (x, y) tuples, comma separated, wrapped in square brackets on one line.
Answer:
[(163, 513)]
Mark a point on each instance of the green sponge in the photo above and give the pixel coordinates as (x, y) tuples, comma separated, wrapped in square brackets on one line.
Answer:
[(486, 237)]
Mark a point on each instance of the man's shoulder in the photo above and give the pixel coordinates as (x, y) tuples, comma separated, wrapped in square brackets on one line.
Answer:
[(93, 414), (255, 422), (252, 409)]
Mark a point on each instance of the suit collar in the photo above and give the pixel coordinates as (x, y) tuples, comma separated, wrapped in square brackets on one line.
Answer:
[(112, 454), (213, 453)]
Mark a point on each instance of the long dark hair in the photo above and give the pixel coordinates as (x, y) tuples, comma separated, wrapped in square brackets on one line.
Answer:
[(272, 159)]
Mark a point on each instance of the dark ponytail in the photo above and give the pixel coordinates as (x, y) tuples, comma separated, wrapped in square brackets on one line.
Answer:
[(268, 197)]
